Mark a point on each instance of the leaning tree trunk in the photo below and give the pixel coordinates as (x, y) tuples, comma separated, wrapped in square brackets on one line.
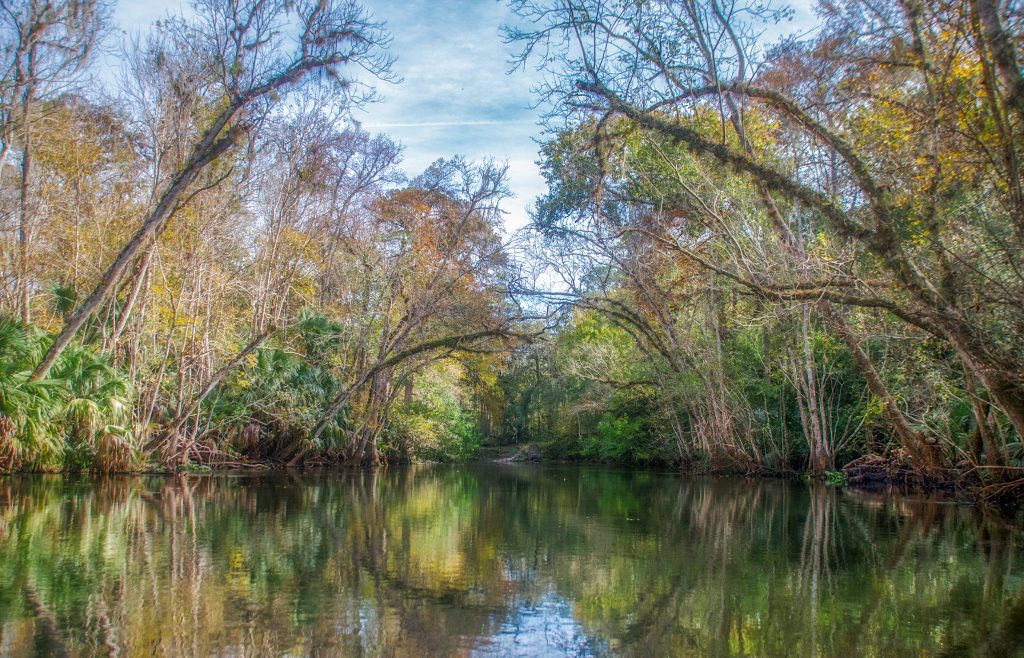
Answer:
[(182, 417), (911, 441), (1001, 380), (345, 394), (993, 450), (210, 149), (925, 455)]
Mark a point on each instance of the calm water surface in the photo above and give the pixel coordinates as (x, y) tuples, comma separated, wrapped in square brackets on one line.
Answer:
[(498, 560)]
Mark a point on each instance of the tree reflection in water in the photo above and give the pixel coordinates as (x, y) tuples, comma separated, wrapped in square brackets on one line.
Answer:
[(497, 560)]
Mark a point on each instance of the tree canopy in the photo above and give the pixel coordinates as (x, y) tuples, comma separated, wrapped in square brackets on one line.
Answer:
[(800, 255)]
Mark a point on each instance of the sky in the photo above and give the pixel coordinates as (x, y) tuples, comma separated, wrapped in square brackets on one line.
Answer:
[(457, 96)]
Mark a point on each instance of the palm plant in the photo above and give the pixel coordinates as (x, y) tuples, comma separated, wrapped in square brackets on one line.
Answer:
[(97, 407), (75, 417), (25, 407), (269, 406)]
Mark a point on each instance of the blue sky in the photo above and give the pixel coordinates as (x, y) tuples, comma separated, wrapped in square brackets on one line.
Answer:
[(456, 97)]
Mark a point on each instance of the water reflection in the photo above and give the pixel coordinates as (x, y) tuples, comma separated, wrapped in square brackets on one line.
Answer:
[(497, 560)]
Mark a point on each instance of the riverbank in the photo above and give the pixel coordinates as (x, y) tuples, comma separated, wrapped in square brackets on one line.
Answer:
[(967, 483)]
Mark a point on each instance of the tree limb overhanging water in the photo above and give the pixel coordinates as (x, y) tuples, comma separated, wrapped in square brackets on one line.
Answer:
[(754, 255)]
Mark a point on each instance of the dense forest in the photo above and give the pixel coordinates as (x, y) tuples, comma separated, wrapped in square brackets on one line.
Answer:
[(755, 255)]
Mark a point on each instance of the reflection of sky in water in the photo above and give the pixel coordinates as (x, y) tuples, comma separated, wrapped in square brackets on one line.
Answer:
[(489, 560), (546, 628)]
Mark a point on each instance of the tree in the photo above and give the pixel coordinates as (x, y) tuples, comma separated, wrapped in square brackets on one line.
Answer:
[(429, 264), (886, 163), (246, 63), (46, 47)]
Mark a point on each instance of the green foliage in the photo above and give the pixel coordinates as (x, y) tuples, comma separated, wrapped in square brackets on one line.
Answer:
[(76, 418), (835, 477), (194, 469), (587, 395), (799, 315), (436, 424), (615, 439), (436, 430), (272, 401), (64, 300), (730, 379)]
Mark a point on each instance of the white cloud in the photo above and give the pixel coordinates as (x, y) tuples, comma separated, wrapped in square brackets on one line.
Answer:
[(456, 97), (442, 124)]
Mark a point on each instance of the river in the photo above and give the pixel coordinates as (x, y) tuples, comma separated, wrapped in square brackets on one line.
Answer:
[(498, 560)]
